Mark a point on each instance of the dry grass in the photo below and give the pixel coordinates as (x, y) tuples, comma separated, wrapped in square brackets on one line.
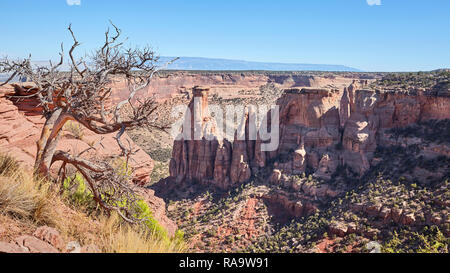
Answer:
[(123, 238), (22, 196), (8, 165)]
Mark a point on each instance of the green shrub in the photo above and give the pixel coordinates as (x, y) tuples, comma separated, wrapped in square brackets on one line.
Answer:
[(144, 212), (121, 168), (76, 190)]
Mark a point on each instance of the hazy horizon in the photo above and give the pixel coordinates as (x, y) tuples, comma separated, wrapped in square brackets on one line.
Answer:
[(186, 63)]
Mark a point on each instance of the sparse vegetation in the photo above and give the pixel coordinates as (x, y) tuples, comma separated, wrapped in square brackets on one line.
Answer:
[(434, 83), (160, 171), (161, 155), (428, 240), (435, 131)]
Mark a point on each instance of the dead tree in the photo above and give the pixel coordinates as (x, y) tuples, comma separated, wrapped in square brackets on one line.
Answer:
[(84, 95)]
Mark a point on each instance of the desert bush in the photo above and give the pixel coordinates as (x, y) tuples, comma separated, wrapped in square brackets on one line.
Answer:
[(77, 192)]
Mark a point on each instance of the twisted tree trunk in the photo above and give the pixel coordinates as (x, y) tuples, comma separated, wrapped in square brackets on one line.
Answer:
[(46, 146)]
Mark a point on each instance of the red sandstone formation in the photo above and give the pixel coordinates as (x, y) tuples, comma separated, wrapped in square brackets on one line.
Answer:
[(322, 128), (215, 161)]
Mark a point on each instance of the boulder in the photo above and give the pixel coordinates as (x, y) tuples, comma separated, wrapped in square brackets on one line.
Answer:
[(299, 161), (338, 229), (352, 228), (344, 108), (373, 209), (276, 177), (34, 245), (11, 248), (357, 207), (293, 208), (385, 214), (73, 247), (51, 236), (396, 215), (222, 164), (408, 218), (327, 167)]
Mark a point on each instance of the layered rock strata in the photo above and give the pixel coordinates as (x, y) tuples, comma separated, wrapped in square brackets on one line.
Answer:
[(320, 129)]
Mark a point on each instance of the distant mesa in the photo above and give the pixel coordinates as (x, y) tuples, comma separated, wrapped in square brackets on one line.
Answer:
[(441, 70), (196, 63)]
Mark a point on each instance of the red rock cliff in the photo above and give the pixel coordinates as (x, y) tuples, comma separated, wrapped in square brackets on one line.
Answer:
[(322, 129)]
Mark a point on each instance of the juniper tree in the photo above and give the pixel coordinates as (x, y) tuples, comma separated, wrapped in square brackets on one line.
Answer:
[(83, 95)]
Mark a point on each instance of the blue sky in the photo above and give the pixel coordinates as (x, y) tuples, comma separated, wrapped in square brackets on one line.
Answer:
[(398, 35)]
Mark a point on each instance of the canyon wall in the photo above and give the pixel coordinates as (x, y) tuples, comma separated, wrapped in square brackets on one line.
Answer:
[(320, 129), (167, 84)]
